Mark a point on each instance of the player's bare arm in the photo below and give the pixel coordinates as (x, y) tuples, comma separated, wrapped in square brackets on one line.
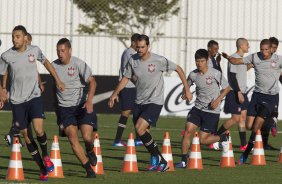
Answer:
[(234, 61), (114, 96), (92, 88), (215, 103), (187, 93), (60, 85)]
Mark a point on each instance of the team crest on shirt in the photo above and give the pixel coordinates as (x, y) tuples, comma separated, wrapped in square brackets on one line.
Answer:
[(31, 58), (151, 68), (273, 63), (71, 71), (209, 80)]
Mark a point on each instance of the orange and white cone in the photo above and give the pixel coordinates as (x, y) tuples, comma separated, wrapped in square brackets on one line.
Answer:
[(280, 156), (195, 156), (227, 158), (258, 157), (130, 158), (56, 159), (166, 151), (99, 168), (15, 170)]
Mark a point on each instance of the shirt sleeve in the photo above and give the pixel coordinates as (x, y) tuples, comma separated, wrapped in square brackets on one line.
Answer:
[(3, 66), (249, 59), (40, 56), (128, 72), (167, 66), (190, 80), (84, 71)]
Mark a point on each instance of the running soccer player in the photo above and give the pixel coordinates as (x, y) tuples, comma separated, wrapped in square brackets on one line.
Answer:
[(25, 95), (265, 98), (127, 95), (147, 68), (205, 114), (75, 107), (236, 101)]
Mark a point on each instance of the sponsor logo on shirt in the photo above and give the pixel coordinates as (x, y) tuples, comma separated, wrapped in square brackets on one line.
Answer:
[(273, 63), (151, 68), (209, 80), (71, 71), (31, 58)]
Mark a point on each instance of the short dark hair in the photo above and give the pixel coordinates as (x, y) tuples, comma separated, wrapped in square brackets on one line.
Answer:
[(144, 37), (64, 41), (274, 40), (265, 42), (134, 37), (20, 28), (29, 36), (212, 42), (201, 53)]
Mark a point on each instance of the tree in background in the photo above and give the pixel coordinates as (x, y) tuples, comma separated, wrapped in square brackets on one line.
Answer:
[(124, 17)]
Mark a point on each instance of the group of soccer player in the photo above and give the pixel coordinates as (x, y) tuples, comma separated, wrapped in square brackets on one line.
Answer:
[(141, 90)]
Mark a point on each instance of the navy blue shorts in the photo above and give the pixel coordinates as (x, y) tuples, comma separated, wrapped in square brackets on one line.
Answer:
[(270, 102), (149, 112), (25, 112), (76, 116), (232, 104), (127, 98), (205, 120)]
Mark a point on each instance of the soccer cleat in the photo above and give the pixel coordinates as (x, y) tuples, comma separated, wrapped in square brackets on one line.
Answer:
[(43, 176), (138, 142), (92, 158), (8, 139), (181, 164), (243, 148), (154, 162), (119, 144), (215, 146), (274, 128), (242, 160), (90, 174), (48, 164), (225, 146), (162, 167)]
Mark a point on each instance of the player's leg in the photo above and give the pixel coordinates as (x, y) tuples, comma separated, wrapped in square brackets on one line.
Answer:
[(242, 130), (121, 126)]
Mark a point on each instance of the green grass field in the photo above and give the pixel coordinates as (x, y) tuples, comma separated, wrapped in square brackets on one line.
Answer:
[(113, 158)]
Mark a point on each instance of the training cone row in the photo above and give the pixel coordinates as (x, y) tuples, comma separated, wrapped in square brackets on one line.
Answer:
[(195, 156), (15, 170), (55, 156), (99, 168), (166, 151), (258, 157), (130, 158), (227, 158)]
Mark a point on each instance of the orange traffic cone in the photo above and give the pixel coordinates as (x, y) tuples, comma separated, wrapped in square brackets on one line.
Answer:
[(195, 157), (99, 168), (130, 159), (227, 159), (280, 156), (258, 157), (15, 170), (56, 159), (166, 151)]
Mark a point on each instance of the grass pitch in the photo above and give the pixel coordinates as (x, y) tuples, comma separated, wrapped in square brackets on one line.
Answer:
[(113, 157)]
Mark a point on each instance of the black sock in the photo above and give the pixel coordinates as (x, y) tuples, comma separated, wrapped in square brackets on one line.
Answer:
[(151, 146), (221, 130), (265, 131), (121, 126), (250, 144), (222, 137), (43, 144), (242, 135), (89, 147), (184, 158), (36, 156)]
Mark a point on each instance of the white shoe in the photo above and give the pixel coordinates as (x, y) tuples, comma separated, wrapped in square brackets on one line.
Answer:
[(225, 146), (216, 146)]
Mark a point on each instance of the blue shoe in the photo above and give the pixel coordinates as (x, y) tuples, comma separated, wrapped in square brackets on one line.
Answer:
[(242, 160), (181, 164), (162, 167), (154, 163), (138, 142), (119, 144)]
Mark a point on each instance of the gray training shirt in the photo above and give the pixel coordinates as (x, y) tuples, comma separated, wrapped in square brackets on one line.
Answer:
[(267, 72), (126, 55), (207, 88), (22, 72), (75, 77), (148, 75), (241, 74)]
